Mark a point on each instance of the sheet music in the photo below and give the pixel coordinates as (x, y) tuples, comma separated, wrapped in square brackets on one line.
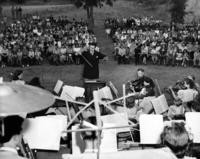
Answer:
[(120, 119), (58, 86), (80, 156), (160, 153), (192, 121), (115, 91), (45, 132), (109, 139), (79, 91), (187, 95), (71, 92), (151, 126), (160, 104), (105, 93)]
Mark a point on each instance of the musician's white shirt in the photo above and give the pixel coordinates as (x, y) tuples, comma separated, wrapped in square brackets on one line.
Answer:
[(187, 95), (9, 153)]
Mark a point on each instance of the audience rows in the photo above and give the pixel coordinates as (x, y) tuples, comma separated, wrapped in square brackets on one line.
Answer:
[(147, 40), (33, 40)]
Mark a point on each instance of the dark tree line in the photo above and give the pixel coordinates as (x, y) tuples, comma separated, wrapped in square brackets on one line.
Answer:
[(177, 7), (89, 5), (178, 10)]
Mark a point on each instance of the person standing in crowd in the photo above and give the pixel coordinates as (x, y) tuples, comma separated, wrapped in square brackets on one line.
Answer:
[(16, 12), (137, 54), (11, 139), (20, 12), (121, 54), (91, 63), (13, 12)]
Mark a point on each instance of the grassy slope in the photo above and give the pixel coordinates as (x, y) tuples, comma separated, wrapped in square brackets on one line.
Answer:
[(109, 70)]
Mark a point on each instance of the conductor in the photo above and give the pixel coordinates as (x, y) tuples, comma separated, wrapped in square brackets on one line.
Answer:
[(91, 59)]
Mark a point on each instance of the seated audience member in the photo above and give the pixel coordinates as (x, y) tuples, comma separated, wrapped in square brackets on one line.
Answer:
[(38, 57), (177, 139), (31, 56), (13, 126), (181, 47)]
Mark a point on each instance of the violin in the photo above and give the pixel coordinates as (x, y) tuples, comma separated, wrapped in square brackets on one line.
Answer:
[(136, 85)]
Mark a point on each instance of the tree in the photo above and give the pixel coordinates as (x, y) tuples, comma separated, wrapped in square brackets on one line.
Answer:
[(178, 10), (89, 5)]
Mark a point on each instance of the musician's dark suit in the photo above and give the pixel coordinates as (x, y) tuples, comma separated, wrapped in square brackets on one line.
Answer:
[(92, 72), (139, 84)]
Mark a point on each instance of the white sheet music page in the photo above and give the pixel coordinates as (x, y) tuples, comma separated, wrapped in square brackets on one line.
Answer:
[(109, 139), (160, 104), (192, 121), (71, 92), (120, 119), (44, 132), (151, 127), (105, 93), (58, 86)]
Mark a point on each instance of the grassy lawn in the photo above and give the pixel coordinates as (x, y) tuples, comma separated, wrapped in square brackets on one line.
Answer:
[(110, 70)]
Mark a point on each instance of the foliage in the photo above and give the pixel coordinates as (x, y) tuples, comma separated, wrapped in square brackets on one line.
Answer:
[(177, 7), (152, 2), (178, 10), (13, 1), (88, 5), (92, 3)]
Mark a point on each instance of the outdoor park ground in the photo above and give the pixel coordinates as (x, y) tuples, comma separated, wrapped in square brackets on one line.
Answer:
[(110, 70)]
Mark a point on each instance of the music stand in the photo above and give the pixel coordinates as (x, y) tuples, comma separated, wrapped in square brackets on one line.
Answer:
[(91, 86)]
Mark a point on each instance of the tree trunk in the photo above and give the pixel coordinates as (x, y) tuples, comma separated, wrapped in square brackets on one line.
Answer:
[(1, 12), (90, 17)]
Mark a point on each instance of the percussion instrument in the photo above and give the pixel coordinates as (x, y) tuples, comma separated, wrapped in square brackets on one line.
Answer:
[(19, 99)]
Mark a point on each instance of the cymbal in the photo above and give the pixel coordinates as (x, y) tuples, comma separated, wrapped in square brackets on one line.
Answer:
[(18, 99)]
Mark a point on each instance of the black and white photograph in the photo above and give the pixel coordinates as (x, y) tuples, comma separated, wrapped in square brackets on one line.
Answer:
[(99, 79)]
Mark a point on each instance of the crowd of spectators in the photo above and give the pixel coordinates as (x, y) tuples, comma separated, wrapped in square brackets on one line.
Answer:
[(147, 40), (35, 40)]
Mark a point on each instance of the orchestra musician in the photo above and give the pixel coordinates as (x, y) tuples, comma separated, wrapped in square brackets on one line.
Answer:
[(17, 77), (12, 137), (143, 85), (177, 139)]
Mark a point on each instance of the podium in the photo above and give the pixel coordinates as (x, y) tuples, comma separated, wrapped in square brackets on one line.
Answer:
[(91, 86)]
